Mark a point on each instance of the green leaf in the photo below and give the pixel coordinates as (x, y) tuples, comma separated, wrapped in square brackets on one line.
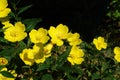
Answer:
[(70, 77), (24, 9), (47, 77), (31, 23), (7, 52), (11, 52), (110, 77), (7, 74), (104, 66), (22, 44), (18, 1), (35, 78), (63, 57), (43, 67), (12, 15), (95, 76), (29, 42), (26, 67), (116, 14), (1, 30), (3, 40)]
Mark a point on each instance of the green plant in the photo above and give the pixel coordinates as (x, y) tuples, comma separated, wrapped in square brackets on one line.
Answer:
[(28, 53), (114, 10)]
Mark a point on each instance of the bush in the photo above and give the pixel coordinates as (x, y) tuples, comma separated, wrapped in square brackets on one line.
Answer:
[(27, 53)]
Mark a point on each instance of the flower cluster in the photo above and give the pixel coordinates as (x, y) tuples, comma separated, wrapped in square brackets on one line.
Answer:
[(60, 33), (52, 50), (44, 41), (41, 38), (37, 54)]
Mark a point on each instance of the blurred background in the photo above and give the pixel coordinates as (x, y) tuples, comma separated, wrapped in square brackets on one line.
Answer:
[(82, 16)]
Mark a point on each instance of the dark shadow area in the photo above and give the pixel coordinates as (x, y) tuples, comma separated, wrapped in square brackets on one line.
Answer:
[(82, 16)]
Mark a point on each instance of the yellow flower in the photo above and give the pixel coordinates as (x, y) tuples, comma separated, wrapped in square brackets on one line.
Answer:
[(4, 11), (26, 57), (117, 50), (100, 43), (47, 50), (15, 33), (58, 33), (74, 39), (3, 4), (75, 56), (42, 52), (39, 53), (35, 55), (3, 61), (39, 36), (117, 53), (6, 78), (117, 57)]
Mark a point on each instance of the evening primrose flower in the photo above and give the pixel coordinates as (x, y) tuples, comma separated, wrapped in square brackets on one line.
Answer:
[(2, 77), (42, 52), (117, 50), (47, 50), (26, 57), (15, 33), (100, 43), (39, 53), (39, 36), (4, 11), (117, 57), (58, 33), (35, 55), (117, 53), (75, 56), (3, 61), (74, 39)]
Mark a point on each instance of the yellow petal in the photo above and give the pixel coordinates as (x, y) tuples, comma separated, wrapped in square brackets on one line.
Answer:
[(47, 50), (78, 60), (117, 50), (117, 57), (70, 60), (3, 4), (24, 57), (5, 12)]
